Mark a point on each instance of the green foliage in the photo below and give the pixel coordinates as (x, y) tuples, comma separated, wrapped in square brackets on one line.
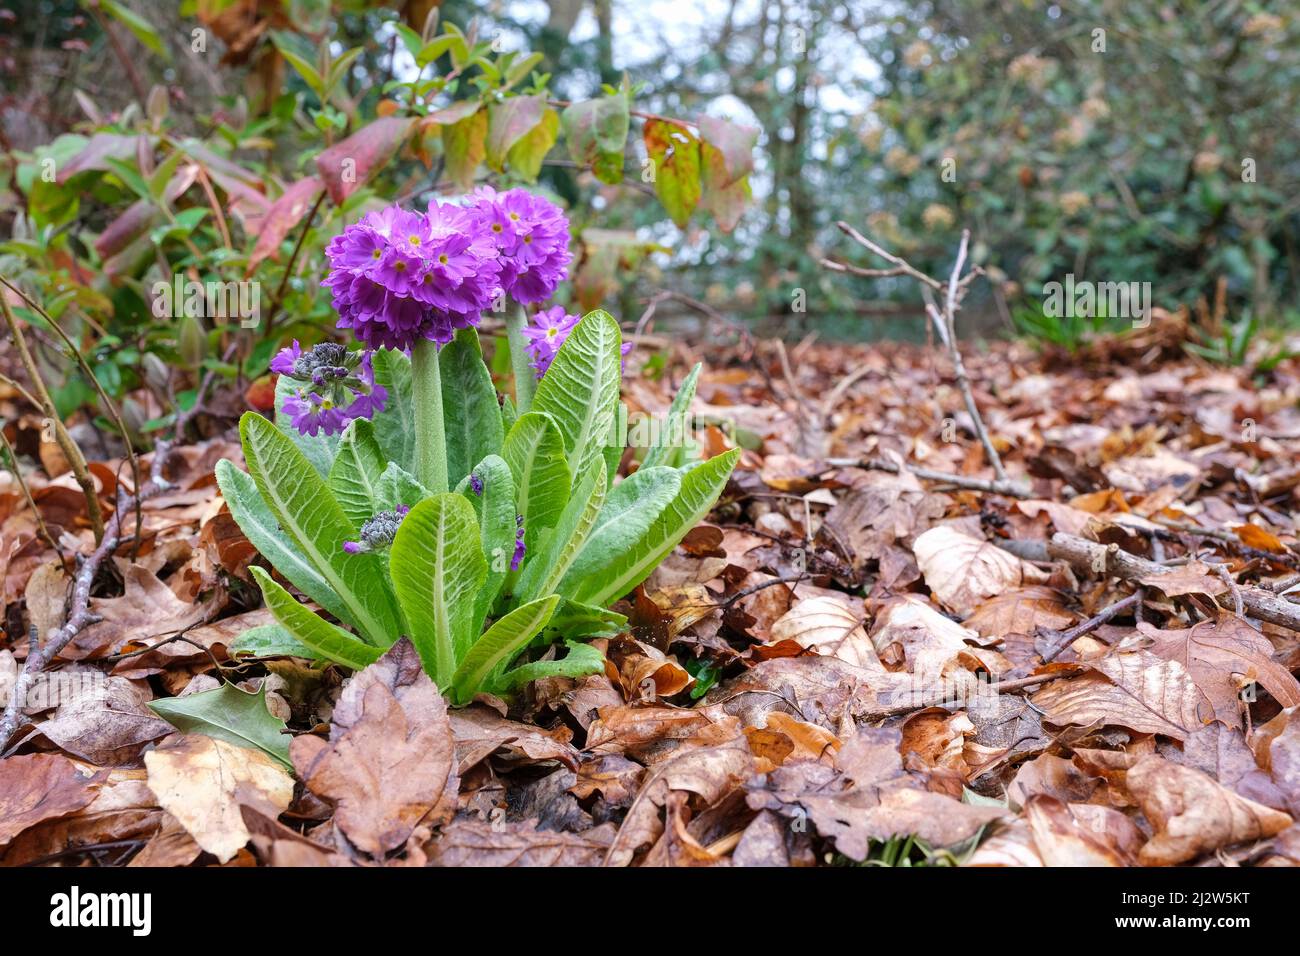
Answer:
[(447, 580), (229, 714)]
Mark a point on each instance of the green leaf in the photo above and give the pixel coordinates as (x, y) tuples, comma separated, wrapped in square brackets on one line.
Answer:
[(496, 648), (271, 640), (472, 417), (318, 449), (317, 526), (396, 487), (630, 511), (526, 155), (437, 567), (573, 620), (354, 476), (534, 450), (559, 546), (582, 660), (263, 531), (304, 67), (395, 425), (701, 486), (140, 28), (495, 509), (508, 122), (669, 447), (580, 389), (675, 152), (327, 640), (230, 714), (465, 146), (596, 126)]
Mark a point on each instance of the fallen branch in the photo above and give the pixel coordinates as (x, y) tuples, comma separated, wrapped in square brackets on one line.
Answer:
[(80, 616), (1060, 640), (997, 486), (1089, 556)]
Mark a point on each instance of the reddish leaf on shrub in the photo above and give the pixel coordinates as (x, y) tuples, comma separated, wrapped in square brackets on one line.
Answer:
[(285, 213), (346, 165)]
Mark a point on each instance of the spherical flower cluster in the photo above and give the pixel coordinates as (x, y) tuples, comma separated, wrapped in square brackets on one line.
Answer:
[(398, 277), (547, 331), (333, 387), (378, 531), (532, 237)]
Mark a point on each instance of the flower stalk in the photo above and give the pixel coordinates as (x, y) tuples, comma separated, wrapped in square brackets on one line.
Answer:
[(430, 433), (525, 379)]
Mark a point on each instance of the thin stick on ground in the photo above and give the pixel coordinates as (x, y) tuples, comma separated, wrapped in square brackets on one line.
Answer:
[(1008, 487), (1060, 640), (944, 320), (71, 450), (27, 494)]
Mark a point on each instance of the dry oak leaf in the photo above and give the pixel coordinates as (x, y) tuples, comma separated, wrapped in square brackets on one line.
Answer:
[(202, 781), (475, 843), (39, 787), (1192, 814), (710, 773), (1135, 690), (828, 625), (1222, 657), (867, 796), (389, 764), (963, 571)]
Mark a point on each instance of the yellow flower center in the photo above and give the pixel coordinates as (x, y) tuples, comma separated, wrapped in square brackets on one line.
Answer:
[(415, 240), (399, 266), (443, 258), (376, 254)]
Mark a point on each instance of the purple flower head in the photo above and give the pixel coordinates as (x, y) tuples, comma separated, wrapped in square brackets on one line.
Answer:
[(520, 550), (548, 330), (397, 277), (532, 236), (378, 531), (332, 386), (476, 483)]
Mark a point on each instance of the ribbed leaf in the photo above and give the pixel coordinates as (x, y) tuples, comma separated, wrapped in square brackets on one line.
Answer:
[(354, 477), (701, 486), (395, 425), (534, 450), (437, 567), (559, 546), (318, 449), (580, 389), (667, 449), (502, 642), (582, 660), (629, 512), (327, 640), (494, 507), (471, 414), (316, 526), (397, 486), (263, 531)]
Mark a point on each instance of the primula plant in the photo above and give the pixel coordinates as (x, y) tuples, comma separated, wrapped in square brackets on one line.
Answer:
[(399, 492)]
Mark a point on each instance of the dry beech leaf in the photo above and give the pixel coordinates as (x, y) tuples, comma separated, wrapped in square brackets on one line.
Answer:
[(105, 721), (390, 761), (481, 732), (651, 734), (1021, 611), (202, 781), (1062, 840), (710, 773), (475, 843), (963, 571), (828, 626), (1192, 814), (1194, 577), (933, 646), (1222, 656), (1136, 690), (39, 787)]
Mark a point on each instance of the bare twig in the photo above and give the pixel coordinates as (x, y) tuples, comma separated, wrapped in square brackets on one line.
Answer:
[(27, 493), (71, 450), (1006, 486), (1060, 640)]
